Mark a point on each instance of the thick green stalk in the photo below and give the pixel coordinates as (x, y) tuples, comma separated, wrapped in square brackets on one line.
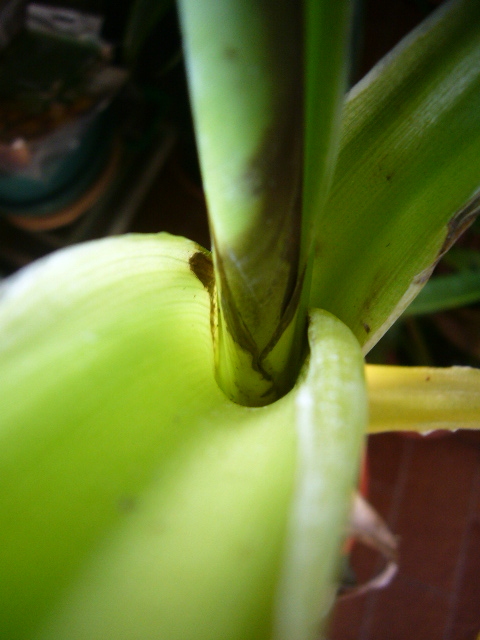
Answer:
[(409, 161), (244, 63), (245, 67)]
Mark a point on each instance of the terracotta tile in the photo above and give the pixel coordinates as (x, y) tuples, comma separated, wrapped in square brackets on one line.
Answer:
[(385, 454), (349, 613), (387, 464), (407, 609), (466, 618), (347, 619), (365, 563), (476, 507), (472, 437), (434, 509), (475, 515), (380, 496)]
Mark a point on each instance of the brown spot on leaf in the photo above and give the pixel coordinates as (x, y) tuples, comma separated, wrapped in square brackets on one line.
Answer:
[(366, 327), (202, 266)]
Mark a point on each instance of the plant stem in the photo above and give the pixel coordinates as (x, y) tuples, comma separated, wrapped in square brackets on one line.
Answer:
[(245, 64)]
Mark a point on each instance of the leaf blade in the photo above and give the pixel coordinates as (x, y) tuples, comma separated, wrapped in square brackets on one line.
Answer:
[(409, 161)]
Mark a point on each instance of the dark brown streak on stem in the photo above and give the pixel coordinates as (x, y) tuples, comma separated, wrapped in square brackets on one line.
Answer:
[(287, 317), (234, 322), (240, 333), (258, 275), (273, 177)]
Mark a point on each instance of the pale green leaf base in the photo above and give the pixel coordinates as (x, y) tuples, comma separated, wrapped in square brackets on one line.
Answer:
[(137, 502)]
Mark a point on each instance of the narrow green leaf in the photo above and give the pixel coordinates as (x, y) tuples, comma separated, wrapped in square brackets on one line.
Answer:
[(327, 32), (447, 292), (327, 28), (462, 259), (409, 161), (143, 18)]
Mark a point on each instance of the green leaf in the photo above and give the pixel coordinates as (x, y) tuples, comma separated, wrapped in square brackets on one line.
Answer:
[(327, 31), (462, 259), (447, 292), (409, 161), (144, 16), (139, 502)]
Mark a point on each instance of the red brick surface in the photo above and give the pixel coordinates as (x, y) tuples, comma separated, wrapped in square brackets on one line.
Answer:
[(430, 497)]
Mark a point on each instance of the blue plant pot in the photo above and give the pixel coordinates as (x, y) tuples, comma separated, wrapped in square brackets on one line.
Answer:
[(58, 161)]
